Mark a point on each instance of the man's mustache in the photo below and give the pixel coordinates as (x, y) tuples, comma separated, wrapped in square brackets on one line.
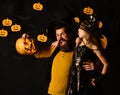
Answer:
[(62, 39)]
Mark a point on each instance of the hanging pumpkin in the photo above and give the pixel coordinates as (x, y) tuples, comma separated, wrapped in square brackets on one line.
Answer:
[(15, 28), (37, 6), (100, 24), (42, 38), (25, 46), (104, 41), (7, 22), (76, 19), (3, 33), (88, 10)]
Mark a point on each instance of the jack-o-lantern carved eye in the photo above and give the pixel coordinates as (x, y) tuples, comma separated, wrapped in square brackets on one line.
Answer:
[(3, 33), (37, 6), (15, 28), (88, 10), (7, 22), (42, 38)]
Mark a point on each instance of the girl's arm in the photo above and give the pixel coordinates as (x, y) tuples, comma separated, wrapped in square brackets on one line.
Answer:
[(103, 60), (104, 70)]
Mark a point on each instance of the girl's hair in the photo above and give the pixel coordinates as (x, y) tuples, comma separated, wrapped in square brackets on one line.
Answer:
[(91, 26)]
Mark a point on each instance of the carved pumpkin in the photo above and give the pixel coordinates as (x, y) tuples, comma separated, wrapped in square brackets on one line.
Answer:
[(37, 6), (25, 46), (42, 38), (76, 19), (104, 41), (3, 33), (88, 10), (7, 22), (15, 28)]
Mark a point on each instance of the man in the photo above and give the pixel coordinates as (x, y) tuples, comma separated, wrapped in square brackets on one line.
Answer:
[(63, 59)]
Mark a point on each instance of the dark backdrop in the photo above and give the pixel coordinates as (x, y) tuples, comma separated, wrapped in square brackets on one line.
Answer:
[(26, 75)]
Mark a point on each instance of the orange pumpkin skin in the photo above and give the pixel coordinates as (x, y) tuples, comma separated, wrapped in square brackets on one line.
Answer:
[(25, 46), (37, 6), (7, 22), (88, 10), (15, 28), (104, 41), (3, 33), (42, 38), (76, 19)]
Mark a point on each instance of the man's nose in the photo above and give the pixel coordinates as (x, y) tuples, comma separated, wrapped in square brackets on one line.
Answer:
[(60, 36)]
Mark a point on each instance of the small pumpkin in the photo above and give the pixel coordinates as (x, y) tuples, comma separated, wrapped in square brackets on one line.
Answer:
[(3, 33), (7, 22), (76, 19), (25, 46), (42, 38), (104, 41), (37, 6), (100, 24), (88, 10), (15, 28)]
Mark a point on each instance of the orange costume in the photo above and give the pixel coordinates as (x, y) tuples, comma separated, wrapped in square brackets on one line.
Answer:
[(60, 70)]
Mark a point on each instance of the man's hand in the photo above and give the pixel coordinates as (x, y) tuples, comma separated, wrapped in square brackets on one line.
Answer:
[(54, 44), (25, 35)]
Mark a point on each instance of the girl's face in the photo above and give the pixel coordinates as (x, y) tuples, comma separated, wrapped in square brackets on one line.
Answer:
[(81, 33)]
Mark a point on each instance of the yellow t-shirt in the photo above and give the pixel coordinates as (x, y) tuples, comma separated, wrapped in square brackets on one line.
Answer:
[(60, 73)]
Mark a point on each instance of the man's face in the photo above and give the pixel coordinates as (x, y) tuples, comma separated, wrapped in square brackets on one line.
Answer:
[(62, 37)]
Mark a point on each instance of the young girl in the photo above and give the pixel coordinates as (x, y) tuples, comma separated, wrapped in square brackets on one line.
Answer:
[(88, 48)]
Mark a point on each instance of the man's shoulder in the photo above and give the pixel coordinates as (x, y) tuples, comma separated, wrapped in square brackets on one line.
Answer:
[(45, 52)]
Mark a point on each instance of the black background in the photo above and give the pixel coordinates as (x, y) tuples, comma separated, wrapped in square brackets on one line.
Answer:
[(26, 75)]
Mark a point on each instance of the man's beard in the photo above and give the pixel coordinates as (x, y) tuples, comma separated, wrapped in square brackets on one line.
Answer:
[(65, 47)]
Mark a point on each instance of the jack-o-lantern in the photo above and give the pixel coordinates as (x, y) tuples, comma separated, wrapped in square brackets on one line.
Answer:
[(76, 19), (25, 46), (100, 24), (104, 41), (3, 33), (15, 28), (7, 22), (42, 38), (88, 10), (37, 6)]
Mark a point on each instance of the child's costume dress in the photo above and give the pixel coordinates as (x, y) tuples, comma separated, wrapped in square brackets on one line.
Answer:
[(79, 80)]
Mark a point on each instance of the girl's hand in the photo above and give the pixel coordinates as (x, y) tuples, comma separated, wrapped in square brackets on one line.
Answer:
[(93, 81)]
